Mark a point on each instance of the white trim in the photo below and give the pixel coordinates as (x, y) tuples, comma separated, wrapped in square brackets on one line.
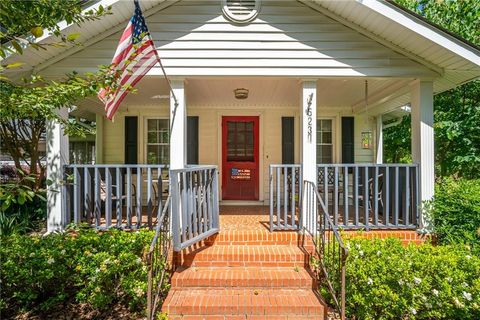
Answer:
[(382, 41), (422, 28), (334, 143), (145, 134)]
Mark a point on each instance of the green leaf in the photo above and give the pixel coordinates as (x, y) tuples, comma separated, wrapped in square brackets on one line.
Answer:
[(14, 65), (73, 36), (17, 46)]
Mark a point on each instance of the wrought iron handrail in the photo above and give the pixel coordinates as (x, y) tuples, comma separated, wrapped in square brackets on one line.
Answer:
[(329, 248), (157, 261)]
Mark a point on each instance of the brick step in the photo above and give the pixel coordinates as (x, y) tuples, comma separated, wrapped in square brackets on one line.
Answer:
[(246, 256), (228, 277), (258, 237), (219, 303)]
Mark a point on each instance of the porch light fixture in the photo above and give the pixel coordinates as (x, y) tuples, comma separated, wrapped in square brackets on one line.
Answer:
[(241, 93)]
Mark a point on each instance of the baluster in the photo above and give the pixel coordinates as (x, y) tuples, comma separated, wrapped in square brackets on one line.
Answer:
[(278, 198), (386, 207), (119, 197), (129, 197), (396, 190), (149, 197), (98, 203), (292, 196), (87, 199), (335, 195), (76, 196), (355, 192), (407, 196), (139, 208), (108, 201), (366, 198), (345, 196)]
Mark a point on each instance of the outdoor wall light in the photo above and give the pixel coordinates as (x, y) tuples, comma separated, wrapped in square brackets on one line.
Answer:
[(241, 93)]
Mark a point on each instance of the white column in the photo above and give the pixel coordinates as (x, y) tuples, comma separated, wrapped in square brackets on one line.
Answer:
[(178, 120), (379, 139), (422, 135), (57, 157), (309, 132), (99, 138)]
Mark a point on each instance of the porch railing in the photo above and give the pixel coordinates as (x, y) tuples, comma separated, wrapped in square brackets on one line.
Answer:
[(158, 262), (356, 196), (365, 196), (330, 252), (122, 196), (195, 207), (285, 191)]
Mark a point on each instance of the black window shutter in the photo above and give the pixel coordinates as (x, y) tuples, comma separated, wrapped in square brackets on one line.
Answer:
[(192, 140), (348, 143), (288, 138), (131, 140)]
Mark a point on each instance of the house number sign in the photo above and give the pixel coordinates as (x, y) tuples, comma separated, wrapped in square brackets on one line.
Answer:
[(308, 112)]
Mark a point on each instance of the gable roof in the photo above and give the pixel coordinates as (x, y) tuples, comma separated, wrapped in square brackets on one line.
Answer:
[(456, 60)]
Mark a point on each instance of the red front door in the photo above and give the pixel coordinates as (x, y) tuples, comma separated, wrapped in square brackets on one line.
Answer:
[(240, 158)]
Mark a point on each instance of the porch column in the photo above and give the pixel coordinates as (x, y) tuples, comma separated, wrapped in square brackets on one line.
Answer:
[(422, 135), (379, 139), (309, 132), (178, 119), (99, 138), (57, 157)]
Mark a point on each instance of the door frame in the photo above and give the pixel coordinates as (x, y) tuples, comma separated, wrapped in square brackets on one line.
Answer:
[(256, 150)]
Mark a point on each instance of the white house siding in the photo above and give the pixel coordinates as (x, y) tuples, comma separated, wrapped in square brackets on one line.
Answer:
[(286, 39)]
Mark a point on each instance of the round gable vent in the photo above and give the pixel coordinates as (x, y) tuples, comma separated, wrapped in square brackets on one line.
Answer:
[(240, 11)]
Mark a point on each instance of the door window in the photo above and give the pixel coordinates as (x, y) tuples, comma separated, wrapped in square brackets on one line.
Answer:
[(240, 146)]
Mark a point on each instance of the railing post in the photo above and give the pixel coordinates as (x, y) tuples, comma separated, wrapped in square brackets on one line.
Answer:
[(216, 211), (176, 224)]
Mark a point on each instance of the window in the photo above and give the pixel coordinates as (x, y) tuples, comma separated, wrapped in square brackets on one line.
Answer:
[(158, 149), (240, 141), (324, 141), (82, 152)]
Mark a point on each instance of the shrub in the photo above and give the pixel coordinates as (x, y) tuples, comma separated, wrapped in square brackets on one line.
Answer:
[(456, 212), (21, 208), (81, 266), (387, 280)]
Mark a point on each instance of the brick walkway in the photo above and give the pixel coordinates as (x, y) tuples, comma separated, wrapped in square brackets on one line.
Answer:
[(245, 272)]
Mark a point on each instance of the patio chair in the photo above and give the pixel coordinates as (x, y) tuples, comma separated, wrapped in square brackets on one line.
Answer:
[(371, 192)]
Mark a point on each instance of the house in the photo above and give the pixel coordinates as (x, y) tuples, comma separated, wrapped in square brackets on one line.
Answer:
[(281, 103)]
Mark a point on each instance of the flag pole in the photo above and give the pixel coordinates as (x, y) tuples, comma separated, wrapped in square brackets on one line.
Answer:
[(165, 76)]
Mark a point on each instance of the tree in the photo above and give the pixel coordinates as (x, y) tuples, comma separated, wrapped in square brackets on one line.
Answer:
[(28, 105), (457, 111)]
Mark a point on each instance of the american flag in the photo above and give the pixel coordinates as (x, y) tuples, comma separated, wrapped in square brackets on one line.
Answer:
[(135, 55)]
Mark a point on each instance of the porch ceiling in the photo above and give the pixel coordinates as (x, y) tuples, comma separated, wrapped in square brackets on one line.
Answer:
[(339, 93)]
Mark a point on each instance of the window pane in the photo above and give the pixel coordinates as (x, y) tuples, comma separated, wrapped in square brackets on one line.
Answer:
[(240, 141), (326, 137)]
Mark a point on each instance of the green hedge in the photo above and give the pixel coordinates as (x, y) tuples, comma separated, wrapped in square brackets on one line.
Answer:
[(387, 280), (100, 269), (456, 212)]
